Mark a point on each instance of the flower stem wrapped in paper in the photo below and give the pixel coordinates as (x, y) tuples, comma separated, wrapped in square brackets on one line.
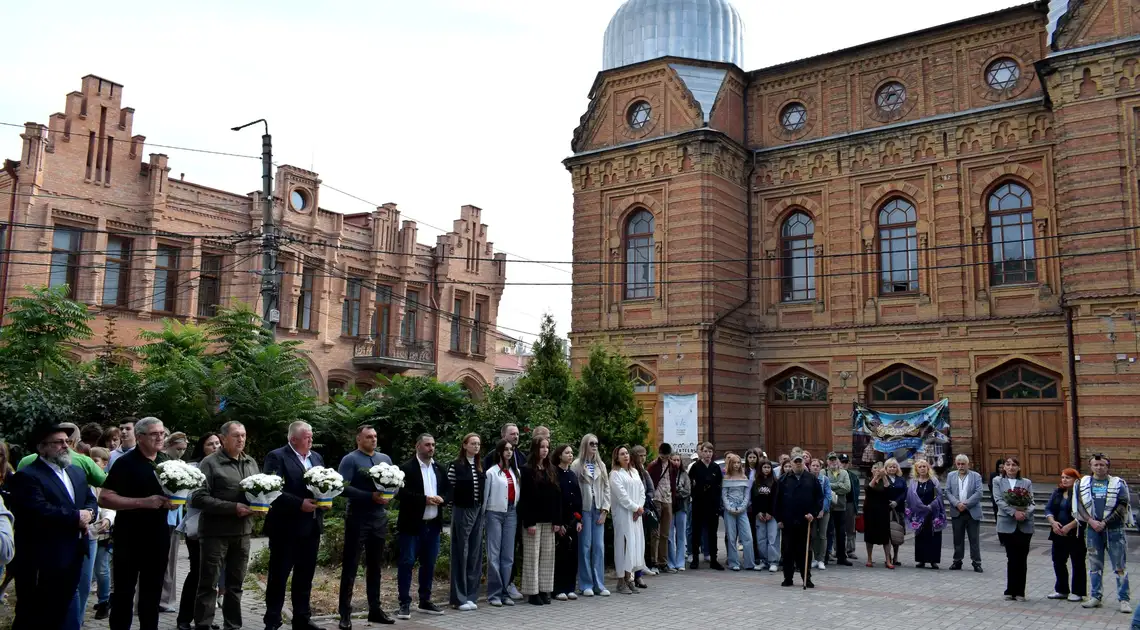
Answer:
[(261, 490), (387, 478), (179, 479), (326, 484)]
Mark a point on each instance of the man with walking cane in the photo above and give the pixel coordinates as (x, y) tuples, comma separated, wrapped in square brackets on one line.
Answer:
[(798, 500)]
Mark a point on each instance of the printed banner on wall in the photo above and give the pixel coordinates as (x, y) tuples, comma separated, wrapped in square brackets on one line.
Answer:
[(903, 435), (680, 416)]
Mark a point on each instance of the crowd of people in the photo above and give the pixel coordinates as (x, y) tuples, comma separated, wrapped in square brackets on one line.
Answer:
[(87, 503)]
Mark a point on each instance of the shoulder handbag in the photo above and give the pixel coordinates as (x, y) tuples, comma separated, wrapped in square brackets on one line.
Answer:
[(898, 529)]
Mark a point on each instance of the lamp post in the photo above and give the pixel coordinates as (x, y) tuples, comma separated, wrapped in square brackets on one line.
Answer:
[(269, 279)]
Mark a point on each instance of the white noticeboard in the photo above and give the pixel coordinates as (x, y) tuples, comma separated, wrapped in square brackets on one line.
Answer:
[(680, 415)]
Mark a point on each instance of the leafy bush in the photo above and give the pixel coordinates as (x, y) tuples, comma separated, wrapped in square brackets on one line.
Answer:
[(259, 562), (331, 552)]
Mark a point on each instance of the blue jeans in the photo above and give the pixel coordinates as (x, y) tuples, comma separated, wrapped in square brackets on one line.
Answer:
[(1136, 619), (1113, 540), (500, 551), (103, 570), (592, 552), (678, 538), (768, 541), (736, 527), (425, 548), (78, 608)]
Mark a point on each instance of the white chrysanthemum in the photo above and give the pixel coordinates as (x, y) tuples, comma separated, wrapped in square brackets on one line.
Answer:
[(176, 476), (324, 483), (387, 476), (261, 483)]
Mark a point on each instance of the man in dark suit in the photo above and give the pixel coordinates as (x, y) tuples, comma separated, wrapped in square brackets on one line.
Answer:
[(798, 500), (53, 507), (294, 526), (426, 489)]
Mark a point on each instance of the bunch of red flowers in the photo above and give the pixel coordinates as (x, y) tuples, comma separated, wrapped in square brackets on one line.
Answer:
[(1018, 498)]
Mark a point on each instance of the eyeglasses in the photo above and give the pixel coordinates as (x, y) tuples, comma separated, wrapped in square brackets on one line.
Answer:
[(55, 442), (594, 444), (155, 434)]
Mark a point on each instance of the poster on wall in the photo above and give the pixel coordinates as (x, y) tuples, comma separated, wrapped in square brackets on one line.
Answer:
[(904, 436), (680, 415)]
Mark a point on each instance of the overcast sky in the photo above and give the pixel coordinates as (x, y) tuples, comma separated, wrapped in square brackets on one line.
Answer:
[(430, 104)]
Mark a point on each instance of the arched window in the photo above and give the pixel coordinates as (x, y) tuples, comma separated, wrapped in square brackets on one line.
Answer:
[(1010, 209), (1020, 382), (639, 255), (902, 385), (643, 380), (799, 387), (797, 247), (898, 248)]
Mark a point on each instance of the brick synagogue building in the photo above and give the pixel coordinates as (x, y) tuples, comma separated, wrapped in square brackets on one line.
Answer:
[(84, 207), (950, 213)]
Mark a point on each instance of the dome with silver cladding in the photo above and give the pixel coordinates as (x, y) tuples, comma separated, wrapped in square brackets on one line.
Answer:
[(709, 30)]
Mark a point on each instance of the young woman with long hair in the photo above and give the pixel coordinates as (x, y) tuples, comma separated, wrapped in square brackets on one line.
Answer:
[(734, 500), (566, 542), (466, 477), (1068, 536), (594, 481), (1014, 526), (539, 514), (764, 508), (628, 500), (926, 514), (637, 456), (679, 532), (896, 498), (502, 494), (877, 515)]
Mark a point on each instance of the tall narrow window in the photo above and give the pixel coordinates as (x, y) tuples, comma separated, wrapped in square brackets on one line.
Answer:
[(898, 248), (1011, 235), (410, 325), (209, 285), (165, 279), (305, 299), (65, 259), (639, 255), (456, 334), (797, 238), (117, 276), (477, 331), (350, 313)]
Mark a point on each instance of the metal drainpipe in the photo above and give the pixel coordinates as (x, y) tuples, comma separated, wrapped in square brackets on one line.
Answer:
[(1074, 410), (10, 168)]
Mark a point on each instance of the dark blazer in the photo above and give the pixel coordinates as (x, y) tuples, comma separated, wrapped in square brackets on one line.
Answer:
[(798, 497), (285, 517), (413, 500), (47, 520)]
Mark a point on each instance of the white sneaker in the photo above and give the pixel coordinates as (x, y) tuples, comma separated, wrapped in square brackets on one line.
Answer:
[(571, 595), (682, 567), (821, 566), (1073, 597), (757, 568), (773, 568), (508, 602), (473, 605), (467, 606), (649, 572), (494, 601), (605, 592), (1091, 602), (1126, 607), (514, 593), (1055, 595), (589, 592), (561, 597)]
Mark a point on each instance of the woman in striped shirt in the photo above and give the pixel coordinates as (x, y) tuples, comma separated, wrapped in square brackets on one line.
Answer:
[(466, 477)]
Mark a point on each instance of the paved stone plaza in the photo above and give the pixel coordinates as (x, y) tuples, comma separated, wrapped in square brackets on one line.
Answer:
[(843, 598)]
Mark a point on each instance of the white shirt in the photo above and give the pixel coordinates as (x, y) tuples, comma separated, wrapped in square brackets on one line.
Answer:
[(306, 460), (962, 480), (59, 472), (427, 471)]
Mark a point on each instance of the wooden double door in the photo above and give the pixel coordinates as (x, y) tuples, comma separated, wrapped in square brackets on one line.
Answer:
[(807, 426), (1022, 415)]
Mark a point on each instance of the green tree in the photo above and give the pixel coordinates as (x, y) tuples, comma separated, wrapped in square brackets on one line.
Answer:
[(548, 374), (178, 378), (345, 413), (38, 328), (602, 402), (501, 406), (109, 389), (407, 407)]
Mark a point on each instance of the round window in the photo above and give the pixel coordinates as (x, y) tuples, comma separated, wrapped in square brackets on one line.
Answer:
[(298, 200), (1003, 74), (890, 97), (639, 113), (794, 117)]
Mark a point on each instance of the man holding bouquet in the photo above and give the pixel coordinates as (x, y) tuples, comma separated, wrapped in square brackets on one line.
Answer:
[(294, 527), (365, 526), (224, 527)]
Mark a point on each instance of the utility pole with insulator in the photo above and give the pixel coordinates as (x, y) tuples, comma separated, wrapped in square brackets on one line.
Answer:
[(270, 281)]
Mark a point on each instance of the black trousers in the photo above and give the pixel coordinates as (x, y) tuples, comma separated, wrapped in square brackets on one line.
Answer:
[(1017, 557), (1068, 548), (140, 558), (43, 596), (296, 555), (792, 551), (189, 585), (705, 519), (367, 535), (566, 561), (838, 525)]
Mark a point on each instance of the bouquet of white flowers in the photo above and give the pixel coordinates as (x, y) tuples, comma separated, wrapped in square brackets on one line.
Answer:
[(326, 484), (261, 490), (387, 478), (179, 479)]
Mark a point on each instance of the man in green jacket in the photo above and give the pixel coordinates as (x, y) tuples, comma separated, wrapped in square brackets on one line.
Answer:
[(224, 527), (841, 488)]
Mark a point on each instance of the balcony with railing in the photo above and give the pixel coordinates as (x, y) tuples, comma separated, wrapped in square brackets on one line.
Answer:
[(393, 353)]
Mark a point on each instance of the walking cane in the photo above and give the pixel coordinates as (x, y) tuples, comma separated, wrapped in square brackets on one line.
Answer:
[(807, 554)]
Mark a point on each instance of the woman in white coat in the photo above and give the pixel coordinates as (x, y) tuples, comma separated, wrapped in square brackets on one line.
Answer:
[(627, 501)]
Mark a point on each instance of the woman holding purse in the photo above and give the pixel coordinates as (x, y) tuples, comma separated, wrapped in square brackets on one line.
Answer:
[(896, 498), (1014, 524), (926, 515), (877, 515)]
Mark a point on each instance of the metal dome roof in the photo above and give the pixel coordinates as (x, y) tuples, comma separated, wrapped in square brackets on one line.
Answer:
[(709, 30)]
